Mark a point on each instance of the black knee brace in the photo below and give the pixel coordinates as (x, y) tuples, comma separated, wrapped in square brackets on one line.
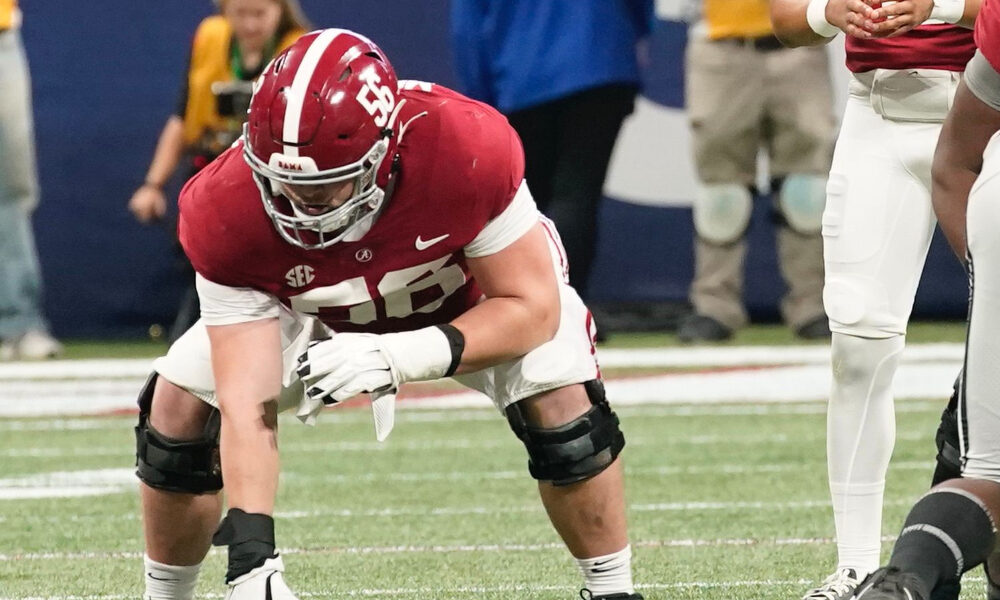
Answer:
[(949, 457), (187, 466), (577, 450)]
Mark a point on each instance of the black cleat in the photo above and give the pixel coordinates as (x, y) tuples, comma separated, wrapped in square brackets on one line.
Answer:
[(889, 583), (587, 595), (699, 328)]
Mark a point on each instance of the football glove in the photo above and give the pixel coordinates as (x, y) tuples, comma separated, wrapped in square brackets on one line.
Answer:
[(349, 364), (263, 583)]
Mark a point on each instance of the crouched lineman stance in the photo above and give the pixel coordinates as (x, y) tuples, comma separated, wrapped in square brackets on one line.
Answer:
[(394, 213), (952, 528)]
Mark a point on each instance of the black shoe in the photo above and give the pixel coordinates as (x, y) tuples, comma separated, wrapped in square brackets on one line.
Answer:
[(586, 595), (699, 328), (816, 329), (889, 583)]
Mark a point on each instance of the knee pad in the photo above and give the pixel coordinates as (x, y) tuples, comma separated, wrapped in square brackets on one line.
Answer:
[(949, 456), (722, 212), (862, 306), (577, 450), (863, 368), (186, 466), (801, 201)]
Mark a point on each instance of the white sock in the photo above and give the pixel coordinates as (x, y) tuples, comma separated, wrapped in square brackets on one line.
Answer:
[(608, 574), (168, 582), (861, 432)]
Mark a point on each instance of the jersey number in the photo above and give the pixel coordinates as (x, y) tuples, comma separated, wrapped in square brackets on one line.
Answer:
[(396, 289)]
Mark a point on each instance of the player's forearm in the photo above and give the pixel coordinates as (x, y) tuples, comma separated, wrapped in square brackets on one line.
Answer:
[(958, 158), (950, 197), (248, 443), (969, 13), (791, 25), (501, 329), (246, 363)]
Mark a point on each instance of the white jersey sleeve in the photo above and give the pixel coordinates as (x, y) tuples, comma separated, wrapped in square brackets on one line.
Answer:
[(225, 305), (508, 227), (983, 80)]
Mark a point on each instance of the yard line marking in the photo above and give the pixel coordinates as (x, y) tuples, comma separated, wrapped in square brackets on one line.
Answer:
[(791, 374), (26, 424), (139, 368), (492, 510), (422, 548), (125, 478), (428, 591), (610, 357)]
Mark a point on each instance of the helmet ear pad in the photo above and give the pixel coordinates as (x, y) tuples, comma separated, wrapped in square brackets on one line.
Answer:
[(323, 112)]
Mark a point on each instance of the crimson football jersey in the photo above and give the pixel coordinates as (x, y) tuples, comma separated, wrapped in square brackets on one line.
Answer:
[(460, 166), (945, 47), (988, 32)]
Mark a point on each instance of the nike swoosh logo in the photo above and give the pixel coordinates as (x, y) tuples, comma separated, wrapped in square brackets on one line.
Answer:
[(595, 568), (267, 587), (425, 244), (151, 576)]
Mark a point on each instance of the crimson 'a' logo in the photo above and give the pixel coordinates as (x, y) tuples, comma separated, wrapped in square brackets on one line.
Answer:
[(289, 166)]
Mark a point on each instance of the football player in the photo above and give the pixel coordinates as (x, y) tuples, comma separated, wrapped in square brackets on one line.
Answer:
[(363, 233), (906, 59), (952, 528)]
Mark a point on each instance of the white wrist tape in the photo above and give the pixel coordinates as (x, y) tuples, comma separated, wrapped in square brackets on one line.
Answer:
[(816, 17), (419, 355), (949, 11)]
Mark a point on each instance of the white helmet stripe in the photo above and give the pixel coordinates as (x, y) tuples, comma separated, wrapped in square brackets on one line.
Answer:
[(297, 93)]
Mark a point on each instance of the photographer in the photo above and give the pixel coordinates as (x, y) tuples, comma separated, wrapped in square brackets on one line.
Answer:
[(228, 52)]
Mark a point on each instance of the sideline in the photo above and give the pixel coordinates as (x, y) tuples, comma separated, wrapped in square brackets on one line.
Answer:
[(730, 374)]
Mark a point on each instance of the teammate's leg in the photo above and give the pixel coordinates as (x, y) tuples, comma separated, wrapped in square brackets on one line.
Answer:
[(877, 227)]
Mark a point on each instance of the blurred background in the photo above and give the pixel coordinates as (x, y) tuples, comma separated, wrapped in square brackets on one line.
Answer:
[(105, 76)]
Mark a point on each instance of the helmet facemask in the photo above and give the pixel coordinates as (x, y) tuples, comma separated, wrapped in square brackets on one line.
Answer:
[(319, 127), (324, 229)]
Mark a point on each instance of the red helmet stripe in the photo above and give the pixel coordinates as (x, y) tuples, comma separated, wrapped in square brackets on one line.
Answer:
[(296, 94)]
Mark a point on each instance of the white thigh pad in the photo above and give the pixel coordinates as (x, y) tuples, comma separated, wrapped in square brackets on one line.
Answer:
[(188, 362), (859, 305), (722, 212), (801, 201), (566, 359)]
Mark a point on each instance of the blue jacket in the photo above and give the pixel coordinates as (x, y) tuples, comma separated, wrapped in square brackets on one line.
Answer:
[(515, 54)]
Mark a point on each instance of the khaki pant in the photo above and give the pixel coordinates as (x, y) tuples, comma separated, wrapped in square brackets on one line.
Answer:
[(740, 101)]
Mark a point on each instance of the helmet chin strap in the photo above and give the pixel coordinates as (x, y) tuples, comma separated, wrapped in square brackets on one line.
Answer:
[(390, 183)]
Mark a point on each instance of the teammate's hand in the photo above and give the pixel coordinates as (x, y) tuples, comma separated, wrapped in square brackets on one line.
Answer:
[(263, 583), (148, 203), (890, 19), (850, 16), (346, 365)]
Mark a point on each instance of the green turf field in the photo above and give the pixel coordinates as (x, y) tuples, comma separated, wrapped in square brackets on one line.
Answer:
[(725, 502)]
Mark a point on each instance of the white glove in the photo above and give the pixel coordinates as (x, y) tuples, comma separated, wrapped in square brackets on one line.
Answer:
[(349, 364), (264, 582)]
